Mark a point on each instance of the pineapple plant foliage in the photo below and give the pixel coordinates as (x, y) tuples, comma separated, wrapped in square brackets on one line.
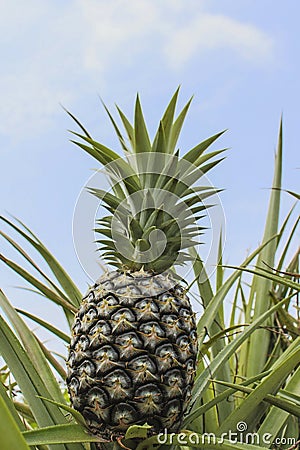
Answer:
[(247, 367)]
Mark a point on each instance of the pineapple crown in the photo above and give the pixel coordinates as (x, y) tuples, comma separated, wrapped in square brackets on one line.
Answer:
[(153, 204)]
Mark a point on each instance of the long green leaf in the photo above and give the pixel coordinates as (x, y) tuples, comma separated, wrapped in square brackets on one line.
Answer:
[(48, 326), (195, 415), (198, 150), (177, 126), (254, 361), (276, 418), (142, 141), (32, 348), (286, 406), (11, 407), (165, 126), (24, 412), (74, 413), (128, 127), (202, 382), (117, 130), (113, 163), (71, 290), (260, 272), (11, 437), (252, 409), (214, 325), (28, 379), (49, 293), (213, 306), (68, 433), (52, 360), (32, 263)]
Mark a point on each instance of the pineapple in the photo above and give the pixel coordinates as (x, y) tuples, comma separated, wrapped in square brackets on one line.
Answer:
[(133, 350)]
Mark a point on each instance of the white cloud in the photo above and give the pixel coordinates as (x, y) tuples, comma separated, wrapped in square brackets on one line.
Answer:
[(116, 33), (52, 54), (209, 32)]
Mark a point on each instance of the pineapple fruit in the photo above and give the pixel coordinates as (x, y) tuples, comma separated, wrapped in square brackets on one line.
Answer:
[(133, 350)]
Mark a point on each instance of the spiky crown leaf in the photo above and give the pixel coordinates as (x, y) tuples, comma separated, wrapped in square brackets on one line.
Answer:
[(153, 204)]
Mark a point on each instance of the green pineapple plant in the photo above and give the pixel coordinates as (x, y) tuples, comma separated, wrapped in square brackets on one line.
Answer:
[(245, 376), (134, 342)]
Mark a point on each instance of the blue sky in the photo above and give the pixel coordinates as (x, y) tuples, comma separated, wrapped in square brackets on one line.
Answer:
[(240, 59)]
